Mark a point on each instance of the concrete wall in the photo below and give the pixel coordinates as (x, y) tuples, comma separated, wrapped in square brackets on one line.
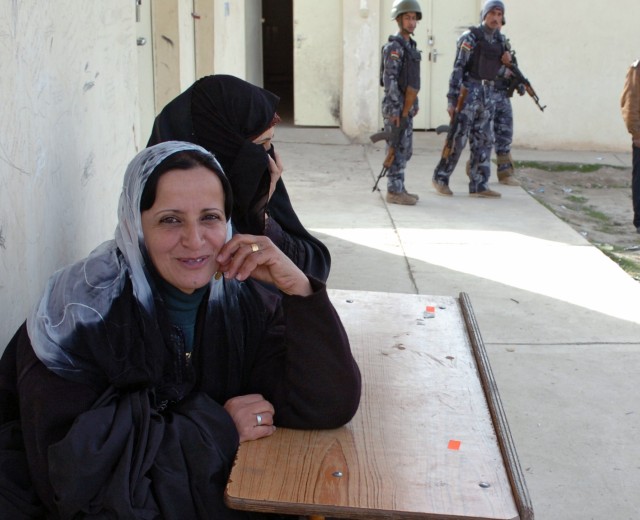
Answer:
[(360, 107), (576, 55), (67, 123), (204, 41), (173, 49)]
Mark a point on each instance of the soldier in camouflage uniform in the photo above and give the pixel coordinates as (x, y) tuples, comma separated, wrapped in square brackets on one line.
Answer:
[(506, 85), (503, 122), (481, 53), (400, 69)]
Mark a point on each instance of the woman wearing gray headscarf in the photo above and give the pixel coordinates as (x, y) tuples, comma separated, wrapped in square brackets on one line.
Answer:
[(143, 366)]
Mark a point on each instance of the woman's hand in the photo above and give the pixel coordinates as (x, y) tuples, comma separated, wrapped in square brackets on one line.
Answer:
[(275, 169), (258, 257), (252, 415)]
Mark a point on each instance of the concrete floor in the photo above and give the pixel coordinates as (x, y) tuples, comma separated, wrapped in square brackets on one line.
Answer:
[(561, 322)]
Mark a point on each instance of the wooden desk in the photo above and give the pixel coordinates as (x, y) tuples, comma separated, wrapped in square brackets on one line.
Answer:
[(430, 439)]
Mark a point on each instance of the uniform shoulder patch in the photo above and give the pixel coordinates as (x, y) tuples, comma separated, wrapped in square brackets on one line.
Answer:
[(465, 46), (394, 55)]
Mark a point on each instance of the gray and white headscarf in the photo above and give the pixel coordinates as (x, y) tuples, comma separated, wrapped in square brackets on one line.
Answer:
[(80, 296)]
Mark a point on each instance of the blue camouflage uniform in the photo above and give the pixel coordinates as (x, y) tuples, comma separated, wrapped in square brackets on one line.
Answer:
[(477, 65), (503, 128), (401, 68), (503, 119), (506, 84)]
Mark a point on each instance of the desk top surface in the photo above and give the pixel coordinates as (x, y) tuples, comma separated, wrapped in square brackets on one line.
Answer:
[(422, 444)]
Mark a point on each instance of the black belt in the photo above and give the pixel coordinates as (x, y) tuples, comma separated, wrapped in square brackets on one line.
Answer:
[(483, 82)]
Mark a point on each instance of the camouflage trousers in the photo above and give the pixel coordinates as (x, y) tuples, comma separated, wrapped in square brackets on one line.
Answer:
[(476, 126), (403, 152), (503, 123)]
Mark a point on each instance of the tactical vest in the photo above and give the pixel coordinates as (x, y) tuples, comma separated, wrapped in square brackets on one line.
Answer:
[(485, 59), (410, 72)]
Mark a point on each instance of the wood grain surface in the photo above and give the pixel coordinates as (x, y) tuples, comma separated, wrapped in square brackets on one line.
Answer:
[(422, 445)]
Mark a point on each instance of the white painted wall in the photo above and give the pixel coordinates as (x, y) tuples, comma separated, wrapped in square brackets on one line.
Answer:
[(228, 35), (576, 55), (359, 106), (67, 123), (173, 48)]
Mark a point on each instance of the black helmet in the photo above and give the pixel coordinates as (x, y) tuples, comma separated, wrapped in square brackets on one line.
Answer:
[(405, 6)]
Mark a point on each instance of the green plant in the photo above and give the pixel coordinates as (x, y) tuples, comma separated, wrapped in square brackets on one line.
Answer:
[(578, 199), (563, 167)]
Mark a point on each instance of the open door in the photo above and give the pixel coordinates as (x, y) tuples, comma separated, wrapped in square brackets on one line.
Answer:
[(277, 53), (317, 62)]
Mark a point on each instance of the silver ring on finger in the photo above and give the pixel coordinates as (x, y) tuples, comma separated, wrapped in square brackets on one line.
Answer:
[(258, 419)]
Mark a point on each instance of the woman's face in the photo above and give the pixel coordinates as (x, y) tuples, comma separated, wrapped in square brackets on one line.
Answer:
[(186, 227), (265, 138)]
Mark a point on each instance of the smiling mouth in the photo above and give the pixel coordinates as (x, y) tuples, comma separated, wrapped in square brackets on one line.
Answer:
[(194, 262)]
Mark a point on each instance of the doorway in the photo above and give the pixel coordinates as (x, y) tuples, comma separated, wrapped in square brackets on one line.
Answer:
[(277, 53)]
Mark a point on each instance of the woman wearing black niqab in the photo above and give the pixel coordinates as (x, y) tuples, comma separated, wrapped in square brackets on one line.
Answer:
[(224, 114)]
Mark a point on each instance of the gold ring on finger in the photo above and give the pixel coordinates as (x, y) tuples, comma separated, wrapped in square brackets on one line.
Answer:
[(255, 247)]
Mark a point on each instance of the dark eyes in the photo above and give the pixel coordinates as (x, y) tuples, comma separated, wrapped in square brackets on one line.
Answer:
[(169, 220), (209, 217)]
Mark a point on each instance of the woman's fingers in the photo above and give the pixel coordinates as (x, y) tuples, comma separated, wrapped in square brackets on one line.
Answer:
[(247, 256), (243, 254), (252, 415), (275, 170)]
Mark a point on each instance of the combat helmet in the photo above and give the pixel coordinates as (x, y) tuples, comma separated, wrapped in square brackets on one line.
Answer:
[(405, 6)]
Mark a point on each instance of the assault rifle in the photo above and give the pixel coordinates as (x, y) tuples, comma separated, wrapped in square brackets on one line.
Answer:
[(395, 135), (453, 126), (520, 79)]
